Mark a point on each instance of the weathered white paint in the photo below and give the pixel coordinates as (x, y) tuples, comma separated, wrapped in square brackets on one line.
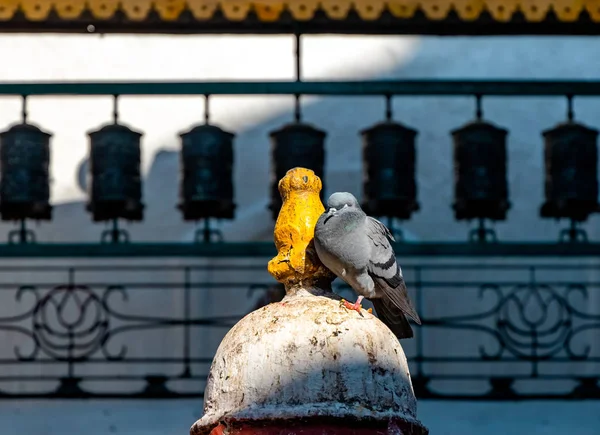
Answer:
[(307, 357)]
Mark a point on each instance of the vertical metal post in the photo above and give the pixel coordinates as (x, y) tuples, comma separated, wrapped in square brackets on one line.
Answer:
[(71, 346), (388, 108), (481, 230), (419, 300), (533, 288), (116, 109), (570, 113), (23, 231), (298, 56), (115, 231), (207, 230), (298, 74), (186, 325), (478, 107), (24, 109), (206, 109)]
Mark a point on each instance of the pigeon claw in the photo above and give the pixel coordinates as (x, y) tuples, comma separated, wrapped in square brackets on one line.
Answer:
[(355, 306), (350, 306)]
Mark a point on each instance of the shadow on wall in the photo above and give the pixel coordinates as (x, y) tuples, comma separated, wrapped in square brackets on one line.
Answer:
[(343, 117), (82, 171)]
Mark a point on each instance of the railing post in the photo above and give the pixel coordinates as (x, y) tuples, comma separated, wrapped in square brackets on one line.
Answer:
[(306, 365)]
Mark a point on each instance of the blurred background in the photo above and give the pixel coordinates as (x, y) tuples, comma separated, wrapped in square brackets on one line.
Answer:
[(121, 341)]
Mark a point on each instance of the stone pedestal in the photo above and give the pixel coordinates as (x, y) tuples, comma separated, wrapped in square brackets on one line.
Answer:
[(306, 365)]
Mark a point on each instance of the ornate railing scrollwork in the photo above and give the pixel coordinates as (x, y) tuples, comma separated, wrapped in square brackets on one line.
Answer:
[(94, 328)]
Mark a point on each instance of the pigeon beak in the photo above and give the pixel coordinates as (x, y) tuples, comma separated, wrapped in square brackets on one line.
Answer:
[(330, 213)]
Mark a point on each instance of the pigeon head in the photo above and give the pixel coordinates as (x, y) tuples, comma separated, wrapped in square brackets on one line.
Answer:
[(340, 200), (342, 204)]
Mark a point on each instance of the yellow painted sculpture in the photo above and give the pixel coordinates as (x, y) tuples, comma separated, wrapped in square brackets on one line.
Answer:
[(297, 263)]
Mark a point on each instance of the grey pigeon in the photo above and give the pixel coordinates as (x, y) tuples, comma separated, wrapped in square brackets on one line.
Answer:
[(355, 247)]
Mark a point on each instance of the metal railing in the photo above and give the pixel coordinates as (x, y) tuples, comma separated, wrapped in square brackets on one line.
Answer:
[(267, 249), (520, 315), (493, 330), (422, 87)]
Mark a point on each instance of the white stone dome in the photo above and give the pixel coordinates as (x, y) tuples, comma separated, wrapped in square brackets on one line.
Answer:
[(308, 357)]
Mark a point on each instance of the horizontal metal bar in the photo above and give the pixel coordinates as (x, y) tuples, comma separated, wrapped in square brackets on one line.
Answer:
[(451, 377), (267, 250), (99, 250), (331, 88), (517, 266), (200, 361), (352, 24)]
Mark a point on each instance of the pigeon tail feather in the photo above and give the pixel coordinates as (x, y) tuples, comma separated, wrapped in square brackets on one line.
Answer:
[(393, 318), (396, 292)]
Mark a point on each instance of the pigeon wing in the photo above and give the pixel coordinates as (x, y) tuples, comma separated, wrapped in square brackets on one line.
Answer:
[(393, 318), (385, 271)]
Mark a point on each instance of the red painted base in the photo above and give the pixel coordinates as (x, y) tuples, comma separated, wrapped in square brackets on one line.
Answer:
[(320, 428)]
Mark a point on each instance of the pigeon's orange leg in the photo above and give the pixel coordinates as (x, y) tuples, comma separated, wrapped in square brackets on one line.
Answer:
[(355, 306)]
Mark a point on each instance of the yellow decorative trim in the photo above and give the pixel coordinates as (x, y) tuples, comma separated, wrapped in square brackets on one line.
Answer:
[(336, 9), (469, 10), (103, 10), (136, 10), (8, 8), (69, 9), (202, 9), (535, 10), (568, 10), (235, 10), (436, 9), (35, 10), (301, 10), (268, 10), (169, 10), (593, 8), (370, 10), (403, 8)]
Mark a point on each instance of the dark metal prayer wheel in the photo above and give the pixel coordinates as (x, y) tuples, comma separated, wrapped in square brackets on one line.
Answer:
[(480, 182), (24, 173), (295, 145), (115, 187), (389, 158), (206, 177), (571, 173)]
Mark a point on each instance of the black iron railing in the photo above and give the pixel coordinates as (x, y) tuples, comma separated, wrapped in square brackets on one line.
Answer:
[(138, 250), (495, 330), (520, 321), (431, 87)]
